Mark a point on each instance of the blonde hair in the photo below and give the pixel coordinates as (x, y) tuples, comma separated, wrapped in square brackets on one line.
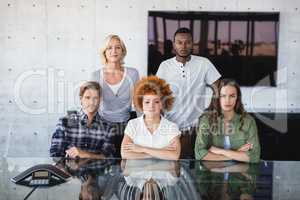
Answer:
[(107, 40)]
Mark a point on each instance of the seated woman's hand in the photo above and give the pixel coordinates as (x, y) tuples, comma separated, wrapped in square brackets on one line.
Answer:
[(216, 150), (133, 148), (171, 146), (245, 147)]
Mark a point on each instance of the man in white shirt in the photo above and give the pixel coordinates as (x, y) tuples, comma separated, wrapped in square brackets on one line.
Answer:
[(188, 76)]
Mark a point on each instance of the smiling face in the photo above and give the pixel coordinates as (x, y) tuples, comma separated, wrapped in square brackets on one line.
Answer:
[(228, 98), (183, 44), (114, 51), (152, 105), (90, 101)]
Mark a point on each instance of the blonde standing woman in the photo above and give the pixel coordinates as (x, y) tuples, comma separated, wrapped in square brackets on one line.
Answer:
[(117, 82)]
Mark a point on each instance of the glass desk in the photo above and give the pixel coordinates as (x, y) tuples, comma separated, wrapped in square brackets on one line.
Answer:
[(156, 179)]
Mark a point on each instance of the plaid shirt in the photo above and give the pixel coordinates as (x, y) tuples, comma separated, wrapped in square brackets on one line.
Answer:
[(95, 139)]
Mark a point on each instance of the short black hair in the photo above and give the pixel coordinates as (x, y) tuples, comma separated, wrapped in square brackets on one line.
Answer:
[(183, 30)]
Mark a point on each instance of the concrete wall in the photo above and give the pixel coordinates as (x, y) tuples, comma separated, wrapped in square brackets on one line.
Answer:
[(286, 181), (48, 47)]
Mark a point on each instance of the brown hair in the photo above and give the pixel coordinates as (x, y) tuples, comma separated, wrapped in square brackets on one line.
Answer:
[(156, 86), (89, 85), (107, 40), (214, 110)]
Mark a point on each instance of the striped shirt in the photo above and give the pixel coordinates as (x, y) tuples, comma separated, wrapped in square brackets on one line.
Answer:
[(95, 139)]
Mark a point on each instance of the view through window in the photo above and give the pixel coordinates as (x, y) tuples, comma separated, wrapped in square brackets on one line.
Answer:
[(242, 45)]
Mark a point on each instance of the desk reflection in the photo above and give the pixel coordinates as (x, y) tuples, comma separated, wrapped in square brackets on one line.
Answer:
[(131, 179), (98, 177), (227, 180), (156, 179), (111, 179)]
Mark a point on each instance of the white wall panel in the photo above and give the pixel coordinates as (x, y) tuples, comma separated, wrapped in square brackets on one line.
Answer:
[(213, 5)]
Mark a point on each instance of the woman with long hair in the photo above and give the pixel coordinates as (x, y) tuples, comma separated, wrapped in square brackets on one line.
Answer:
[(226, 131)]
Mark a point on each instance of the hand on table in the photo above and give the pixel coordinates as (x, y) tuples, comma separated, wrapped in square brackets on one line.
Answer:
[(75, 152)]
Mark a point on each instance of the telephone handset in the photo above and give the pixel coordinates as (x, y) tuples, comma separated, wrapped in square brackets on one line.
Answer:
[(41, 175)]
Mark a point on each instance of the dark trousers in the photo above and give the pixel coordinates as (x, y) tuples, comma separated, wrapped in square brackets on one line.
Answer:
[(187, 141), (118, 136)]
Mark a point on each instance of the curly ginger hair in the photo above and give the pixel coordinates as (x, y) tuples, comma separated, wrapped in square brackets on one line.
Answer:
[(153, 85)]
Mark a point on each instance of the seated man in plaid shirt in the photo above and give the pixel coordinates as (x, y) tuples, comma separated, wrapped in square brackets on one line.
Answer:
[(84, 134)]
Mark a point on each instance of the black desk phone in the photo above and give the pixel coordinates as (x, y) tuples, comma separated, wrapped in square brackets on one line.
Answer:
[(41, 175)]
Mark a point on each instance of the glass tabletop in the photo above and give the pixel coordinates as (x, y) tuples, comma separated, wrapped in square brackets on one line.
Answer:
[(156, 179)]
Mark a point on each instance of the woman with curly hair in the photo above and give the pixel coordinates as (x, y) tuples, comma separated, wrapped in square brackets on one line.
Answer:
[(151, 135), (226, 131)]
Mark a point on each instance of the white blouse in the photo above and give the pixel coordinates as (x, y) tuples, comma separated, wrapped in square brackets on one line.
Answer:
[(160, 138)]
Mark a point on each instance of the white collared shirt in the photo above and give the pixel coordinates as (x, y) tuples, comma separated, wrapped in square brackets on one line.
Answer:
[(188, 83), (160, 138)]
